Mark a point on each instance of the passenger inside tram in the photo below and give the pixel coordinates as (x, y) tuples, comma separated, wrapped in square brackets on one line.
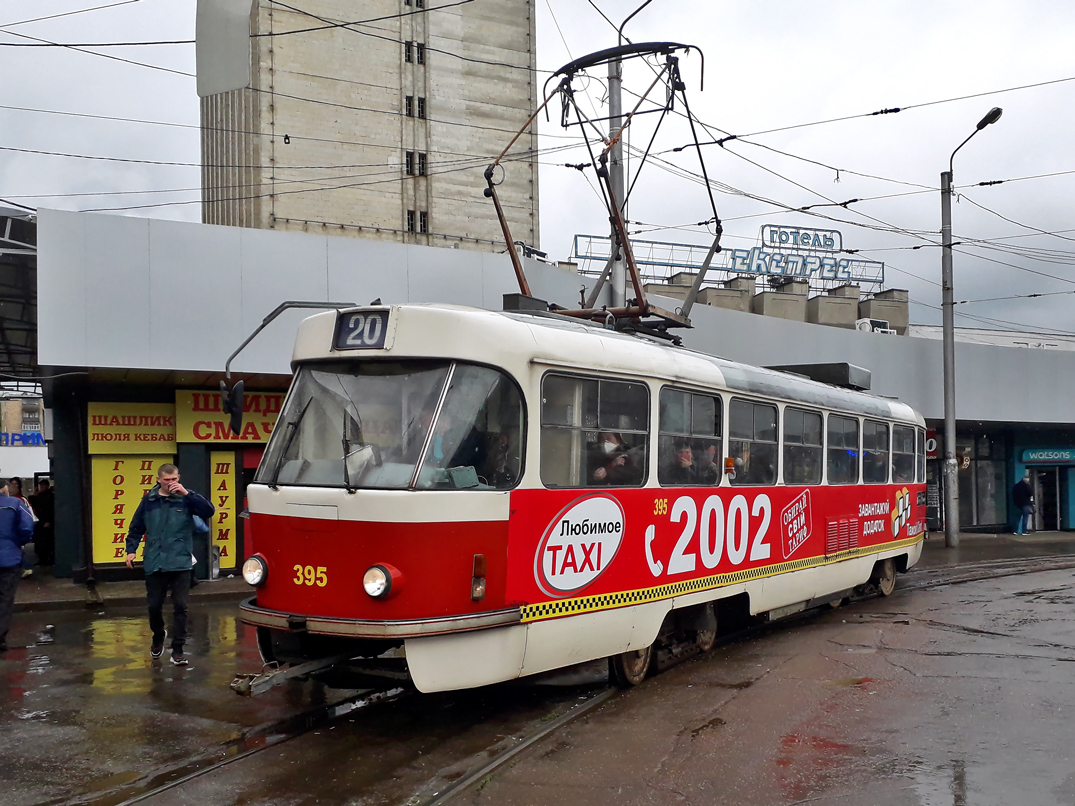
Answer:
[(680, 467), (614, 462)]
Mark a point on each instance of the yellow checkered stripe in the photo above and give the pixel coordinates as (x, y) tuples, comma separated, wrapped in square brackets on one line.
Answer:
[(608, 601)]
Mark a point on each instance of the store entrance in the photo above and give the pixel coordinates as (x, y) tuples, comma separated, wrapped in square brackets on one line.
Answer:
[(1046, 484)]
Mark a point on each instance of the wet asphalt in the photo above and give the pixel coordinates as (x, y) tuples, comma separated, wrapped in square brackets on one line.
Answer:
[(956, 694)]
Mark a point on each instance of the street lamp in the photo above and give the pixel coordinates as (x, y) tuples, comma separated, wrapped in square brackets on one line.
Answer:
[(951, 472)]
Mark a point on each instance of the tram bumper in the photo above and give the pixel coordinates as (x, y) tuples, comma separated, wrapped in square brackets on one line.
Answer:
[(395, 630), (442, 654)]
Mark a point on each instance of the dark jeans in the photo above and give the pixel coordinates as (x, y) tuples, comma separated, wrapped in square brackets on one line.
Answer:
[(157, 586), (9, 581)]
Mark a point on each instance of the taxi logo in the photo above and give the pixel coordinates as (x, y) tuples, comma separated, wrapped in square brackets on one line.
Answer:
[(579, 545), (901, 513)]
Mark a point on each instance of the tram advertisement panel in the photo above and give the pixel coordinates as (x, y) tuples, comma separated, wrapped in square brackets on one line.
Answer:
[(600, 548)]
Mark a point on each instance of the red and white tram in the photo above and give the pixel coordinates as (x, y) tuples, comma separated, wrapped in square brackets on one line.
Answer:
[(477, 496)]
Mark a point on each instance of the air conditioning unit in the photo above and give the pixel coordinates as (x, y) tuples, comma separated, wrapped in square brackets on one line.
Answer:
[(873, 326)]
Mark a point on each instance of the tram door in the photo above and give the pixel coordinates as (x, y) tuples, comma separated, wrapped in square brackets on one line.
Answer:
[(1046, 483)]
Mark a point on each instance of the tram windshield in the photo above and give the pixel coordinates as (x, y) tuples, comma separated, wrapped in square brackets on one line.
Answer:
[(398, 425)]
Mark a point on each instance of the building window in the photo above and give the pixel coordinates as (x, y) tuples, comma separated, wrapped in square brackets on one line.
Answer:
[(406, 2), (408, 163), (410, 221), (423, 222), (420, 50), (421, 163), (408, 106), (408, 52), (419, 3), (421, 107)]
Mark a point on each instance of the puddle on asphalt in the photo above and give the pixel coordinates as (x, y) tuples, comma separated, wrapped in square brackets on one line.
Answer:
[(715, 722)]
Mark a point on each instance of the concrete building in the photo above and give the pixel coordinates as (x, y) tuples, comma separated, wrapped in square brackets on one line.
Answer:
[(380, 129)]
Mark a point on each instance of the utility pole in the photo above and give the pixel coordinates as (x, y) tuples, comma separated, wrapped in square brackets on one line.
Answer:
[(615, 176), (951, 470)]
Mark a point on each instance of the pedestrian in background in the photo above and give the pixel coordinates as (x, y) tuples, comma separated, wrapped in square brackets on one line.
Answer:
[(165, 518), (44, 505), (16, 529), (14, 489), (1023, 498)]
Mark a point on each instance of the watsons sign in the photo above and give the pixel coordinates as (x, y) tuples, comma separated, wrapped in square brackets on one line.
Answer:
[(1053, 456), (579, 545)]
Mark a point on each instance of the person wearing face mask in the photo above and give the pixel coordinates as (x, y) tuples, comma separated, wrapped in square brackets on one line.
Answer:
[(612, 462)]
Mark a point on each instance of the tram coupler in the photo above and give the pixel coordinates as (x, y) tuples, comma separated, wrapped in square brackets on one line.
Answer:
[(249, 685)]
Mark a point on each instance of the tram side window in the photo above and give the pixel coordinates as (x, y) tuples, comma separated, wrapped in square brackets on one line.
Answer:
[(903, 454), (594, 433), (752, 442), (803, 453), (921, 454), (689, 447), (874, 452), (843, 451), (477, 439)]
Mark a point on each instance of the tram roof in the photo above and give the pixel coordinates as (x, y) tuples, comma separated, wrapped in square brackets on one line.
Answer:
[(515, 340)]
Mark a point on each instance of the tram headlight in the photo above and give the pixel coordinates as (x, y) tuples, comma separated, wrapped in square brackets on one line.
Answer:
[(255, 570), (381, 581)]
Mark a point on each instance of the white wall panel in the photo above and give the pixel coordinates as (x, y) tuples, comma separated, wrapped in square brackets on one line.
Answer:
[(118, 296), (361, 271), (451, 276), (194, 295), (61, 289), (277, 266), (209, 286)]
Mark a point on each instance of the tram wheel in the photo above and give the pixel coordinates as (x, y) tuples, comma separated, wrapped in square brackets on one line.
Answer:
[(629, 668), (885, 576), (705, 640)]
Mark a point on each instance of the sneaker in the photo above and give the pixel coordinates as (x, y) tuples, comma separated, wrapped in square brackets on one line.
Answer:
[(157, 650), (27, 572), (179, 659)]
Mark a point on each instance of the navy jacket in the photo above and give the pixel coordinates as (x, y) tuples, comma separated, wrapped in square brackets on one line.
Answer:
[(16, 528), (167, 523)]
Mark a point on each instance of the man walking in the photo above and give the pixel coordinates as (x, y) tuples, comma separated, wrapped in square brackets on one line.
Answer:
[(165, 517), (16, 528), (1023, 498)]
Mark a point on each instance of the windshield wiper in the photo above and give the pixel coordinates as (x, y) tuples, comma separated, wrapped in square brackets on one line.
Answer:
[(294, 429), (346, 455)]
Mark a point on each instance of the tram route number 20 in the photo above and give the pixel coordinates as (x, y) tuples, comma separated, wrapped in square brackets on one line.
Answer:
[(738, 529), (362, 331), (308, 575)]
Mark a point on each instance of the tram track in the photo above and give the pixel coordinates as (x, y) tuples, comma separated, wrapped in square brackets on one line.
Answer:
[(440, 790)]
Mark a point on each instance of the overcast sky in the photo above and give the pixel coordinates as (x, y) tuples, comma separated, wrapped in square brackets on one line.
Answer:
[(769, 65)]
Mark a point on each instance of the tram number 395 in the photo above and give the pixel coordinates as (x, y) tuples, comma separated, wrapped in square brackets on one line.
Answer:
[(706, 535), (308, 575)]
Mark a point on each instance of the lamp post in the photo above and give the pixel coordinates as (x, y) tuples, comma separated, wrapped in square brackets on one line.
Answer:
[(951, 471)]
